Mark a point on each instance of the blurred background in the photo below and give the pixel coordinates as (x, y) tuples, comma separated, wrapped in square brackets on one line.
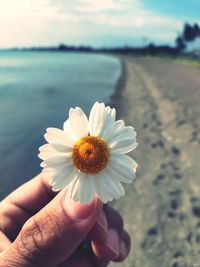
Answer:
[(140, 56)]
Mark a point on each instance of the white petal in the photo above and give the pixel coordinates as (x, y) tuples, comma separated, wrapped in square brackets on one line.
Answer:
[(117, 125), (118, 175), (122, 133), (110, 186), (101, 119), (63, 177), (123, 160), (86, 188), (54, 136), (119, 185), (100, 190), (62, 148), (47, 151), (124, 146), (49, 172), (58, 161), (78, 122), (67, 128), (110, 114), (43, 165), (123, 167), (123, 140), (108, 122), (96, 118), (73, 189), (109, 173)]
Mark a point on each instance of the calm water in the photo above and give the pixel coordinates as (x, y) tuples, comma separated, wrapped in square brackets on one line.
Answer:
[(36, 91)]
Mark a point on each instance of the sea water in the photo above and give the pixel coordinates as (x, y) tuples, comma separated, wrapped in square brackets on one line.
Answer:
[(36, 91)]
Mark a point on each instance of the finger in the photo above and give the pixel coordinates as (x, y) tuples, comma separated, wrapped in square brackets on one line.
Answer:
[(108, 250), (84, 256), (124, 247), (100, 229), (96, 261), (79, 259), (54, 233), (114, 219), (4, 242), (105, 250), (33, 195), (127, 242), (23, 203)]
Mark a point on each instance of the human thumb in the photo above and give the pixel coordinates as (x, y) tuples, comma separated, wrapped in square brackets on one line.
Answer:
[(53, 234)]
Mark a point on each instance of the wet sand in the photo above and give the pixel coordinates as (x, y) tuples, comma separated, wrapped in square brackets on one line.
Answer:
[(161, 209)]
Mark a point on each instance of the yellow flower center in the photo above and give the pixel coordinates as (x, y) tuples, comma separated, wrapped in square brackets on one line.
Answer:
[(90, 154)]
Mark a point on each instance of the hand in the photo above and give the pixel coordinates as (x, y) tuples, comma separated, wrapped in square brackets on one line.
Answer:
[(41, 228)]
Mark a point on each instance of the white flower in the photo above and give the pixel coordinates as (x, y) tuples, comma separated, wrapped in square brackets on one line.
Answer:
[(88, 156)]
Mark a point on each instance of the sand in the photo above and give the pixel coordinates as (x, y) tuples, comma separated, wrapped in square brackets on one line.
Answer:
[(161, 209)]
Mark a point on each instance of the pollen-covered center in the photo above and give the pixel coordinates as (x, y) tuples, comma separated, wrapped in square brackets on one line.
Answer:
[(90, 154)]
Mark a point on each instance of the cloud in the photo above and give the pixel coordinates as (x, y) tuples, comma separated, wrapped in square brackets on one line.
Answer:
[(81, 21), (115, 13), (98, 6), (29, 22)]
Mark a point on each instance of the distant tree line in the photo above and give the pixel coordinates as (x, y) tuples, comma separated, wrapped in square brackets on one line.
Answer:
[(189, 34)]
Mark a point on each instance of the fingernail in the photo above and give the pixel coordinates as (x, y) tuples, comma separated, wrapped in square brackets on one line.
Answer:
[(102, 223), (78, 211), (112, 242)]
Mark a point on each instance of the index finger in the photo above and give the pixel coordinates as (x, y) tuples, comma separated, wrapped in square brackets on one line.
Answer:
[(22, 203)]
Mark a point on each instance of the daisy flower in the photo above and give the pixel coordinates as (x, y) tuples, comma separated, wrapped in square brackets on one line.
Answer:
[(88, 155)]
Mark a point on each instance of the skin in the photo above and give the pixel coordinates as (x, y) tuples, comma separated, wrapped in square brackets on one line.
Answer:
[(41, 228)]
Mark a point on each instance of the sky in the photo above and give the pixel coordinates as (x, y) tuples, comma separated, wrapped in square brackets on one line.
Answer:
[(107, 23)]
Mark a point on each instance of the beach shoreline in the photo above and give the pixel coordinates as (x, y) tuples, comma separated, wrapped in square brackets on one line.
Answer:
[(119, 87), (161, 208)]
